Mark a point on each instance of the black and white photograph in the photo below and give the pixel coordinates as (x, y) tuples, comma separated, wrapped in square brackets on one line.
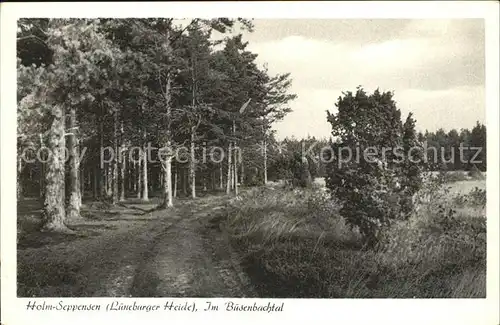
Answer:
[(244, 157)]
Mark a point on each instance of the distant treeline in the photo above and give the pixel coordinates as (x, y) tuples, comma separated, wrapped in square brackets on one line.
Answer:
[(284, 154), (473, 141)]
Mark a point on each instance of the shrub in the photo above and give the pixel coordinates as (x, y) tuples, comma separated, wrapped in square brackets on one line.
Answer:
[(372, 193), (477, 197), (437, 232)]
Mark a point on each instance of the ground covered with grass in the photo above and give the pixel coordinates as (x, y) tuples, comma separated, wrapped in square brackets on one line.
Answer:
[(269, 242), (293, 243)]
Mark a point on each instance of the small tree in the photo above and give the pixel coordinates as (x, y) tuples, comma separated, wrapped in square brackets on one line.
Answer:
[(365, 170), (300, 170)]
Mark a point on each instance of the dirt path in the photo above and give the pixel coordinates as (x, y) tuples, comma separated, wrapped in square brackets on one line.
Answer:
[(173, 253), (191, 258)]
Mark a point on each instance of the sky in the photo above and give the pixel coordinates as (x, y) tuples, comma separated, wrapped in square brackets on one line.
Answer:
[(436, 68)]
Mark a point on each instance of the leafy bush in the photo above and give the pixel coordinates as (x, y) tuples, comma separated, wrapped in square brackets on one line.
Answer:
[(475, 198), (254, 179), (478, 197), (372, 192)]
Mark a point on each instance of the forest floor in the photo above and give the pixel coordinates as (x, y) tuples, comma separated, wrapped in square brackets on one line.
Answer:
[(133, 250)]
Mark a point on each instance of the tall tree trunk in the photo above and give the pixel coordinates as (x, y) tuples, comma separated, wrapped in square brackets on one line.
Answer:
[(192, 162), (242, 164), (236, 161), (123, 169), (235, 164), (184, 181), (145, 194), (221, 177), (102, 166), (19, 178), (109, 181), (54, 210), (229, 169), (115, 159), (105, 181), (96, 183), (232, 176), (74, 179), (167, 184), (82, 181), (265, 160), (175, 182), (139, 176), (167, 194), (123, 179), (130, 176), (42, 179), (192, 166)]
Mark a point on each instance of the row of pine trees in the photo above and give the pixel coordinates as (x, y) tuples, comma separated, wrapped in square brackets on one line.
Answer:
[(93, 88)]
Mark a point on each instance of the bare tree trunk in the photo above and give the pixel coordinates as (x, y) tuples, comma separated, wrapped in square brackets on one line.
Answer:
[(102, 179), (235, 164), (82, 181), (96, 182), (221, 178), (54, 210), (168, 197), (265, 161), (175, 182), (232, 176), (236, 161), (123, 174), (19, 178), (75, 195), (130, 175), (139, 176), (109, 179), (123, 169), (192, 167), (106, 181), (229, 170), (116, 159), (242, 179), (145, 194), (42, 179), (167, 183), (184, 181)]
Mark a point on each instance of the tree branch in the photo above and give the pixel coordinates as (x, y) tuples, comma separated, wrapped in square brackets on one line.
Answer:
[(32, 37), (184, 29)]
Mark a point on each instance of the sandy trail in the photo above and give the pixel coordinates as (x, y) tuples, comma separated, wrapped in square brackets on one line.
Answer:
[(191, 258)]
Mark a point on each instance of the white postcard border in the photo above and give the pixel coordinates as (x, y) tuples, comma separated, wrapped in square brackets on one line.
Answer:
[(337, 311)]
